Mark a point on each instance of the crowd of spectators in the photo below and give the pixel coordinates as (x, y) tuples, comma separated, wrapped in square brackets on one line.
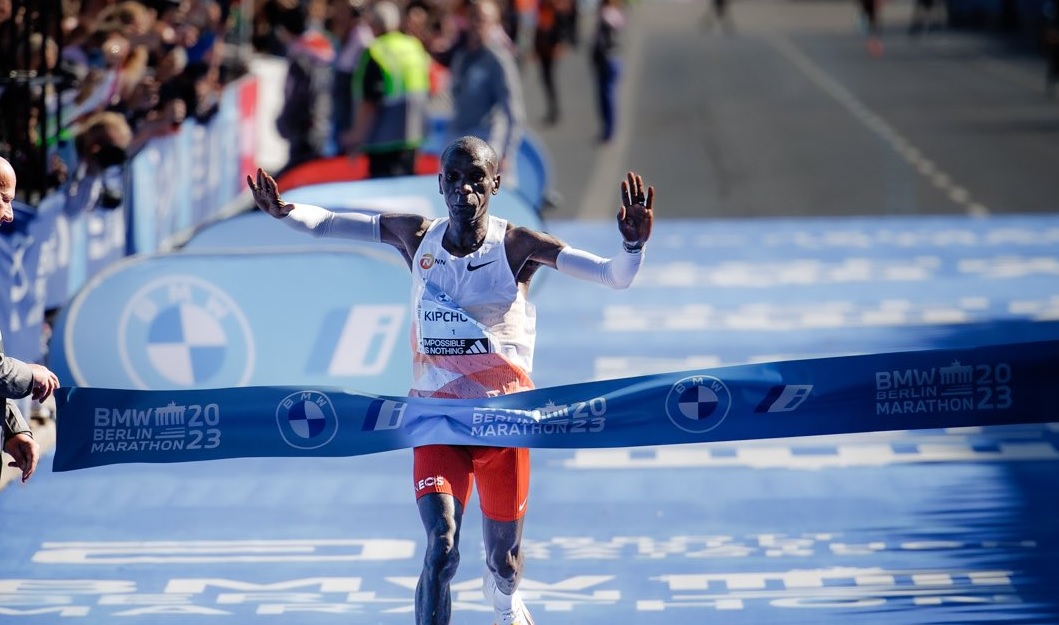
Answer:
[(321, 81), (137, 68)]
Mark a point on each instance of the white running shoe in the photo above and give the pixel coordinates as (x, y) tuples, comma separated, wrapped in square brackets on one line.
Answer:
[(517, 615)]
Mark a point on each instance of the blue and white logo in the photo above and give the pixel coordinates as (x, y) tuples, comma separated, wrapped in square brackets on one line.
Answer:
[(184, 332), (698, 403), (306, 419)]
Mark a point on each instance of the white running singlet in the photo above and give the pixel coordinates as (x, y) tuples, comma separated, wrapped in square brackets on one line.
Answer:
[(473, 330)]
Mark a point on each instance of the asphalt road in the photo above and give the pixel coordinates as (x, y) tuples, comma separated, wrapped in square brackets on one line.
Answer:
[(791, 115)]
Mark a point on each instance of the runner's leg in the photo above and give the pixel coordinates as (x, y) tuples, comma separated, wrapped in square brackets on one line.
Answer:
[(442, 478), (442, 516), (502, 477)]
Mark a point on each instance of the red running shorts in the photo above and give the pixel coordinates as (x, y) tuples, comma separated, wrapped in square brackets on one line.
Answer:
[(502, 474)]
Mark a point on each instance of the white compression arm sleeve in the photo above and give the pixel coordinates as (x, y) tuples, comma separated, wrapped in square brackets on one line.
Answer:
[(617, 272), (320, 222)]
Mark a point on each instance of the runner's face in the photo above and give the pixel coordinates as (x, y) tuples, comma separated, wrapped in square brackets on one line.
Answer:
[(467, 181)]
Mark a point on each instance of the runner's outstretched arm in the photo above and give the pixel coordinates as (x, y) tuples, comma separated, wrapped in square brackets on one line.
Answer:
[(315, 220), (635, 220)]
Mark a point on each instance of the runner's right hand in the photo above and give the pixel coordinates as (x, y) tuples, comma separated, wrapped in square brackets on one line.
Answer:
[(266, 195)]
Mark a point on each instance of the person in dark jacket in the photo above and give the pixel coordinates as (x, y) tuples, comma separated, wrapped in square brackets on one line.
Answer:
[(19, 379), (305, 119), (606, 63)]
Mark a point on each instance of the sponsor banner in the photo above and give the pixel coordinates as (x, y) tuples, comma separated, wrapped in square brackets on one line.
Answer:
[(992, 385), (54, 226), (97, 240), (71, 239), (180, 321), (534, 168), (172, 184), (21, 306), (184, 179)]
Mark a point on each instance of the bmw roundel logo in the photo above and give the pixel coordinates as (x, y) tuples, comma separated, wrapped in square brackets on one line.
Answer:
[(698, 403), (306, 419), (185, 332)]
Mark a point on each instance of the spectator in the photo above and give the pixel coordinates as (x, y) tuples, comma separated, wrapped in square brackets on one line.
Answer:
[(1050, 13), (305, 117), (156, 62), (512, 17), (264, 35), (487, 89), (102, 149), (549, 42), (606, 63), (19, 379), (416, 22), (718, 13), (351, 30), (391, 91), (870, 24), (925, 17)]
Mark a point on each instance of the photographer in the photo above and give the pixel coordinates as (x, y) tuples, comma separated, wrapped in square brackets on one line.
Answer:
[(102, 149)]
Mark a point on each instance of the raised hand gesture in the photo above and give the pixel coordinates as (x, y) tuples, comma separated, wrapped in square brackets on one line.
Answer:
[(266, 195), (636, 215)]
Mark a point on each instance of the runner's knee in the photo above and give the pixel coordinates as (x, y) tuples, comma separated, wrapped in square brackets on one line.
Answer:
[(442, 555), (441, 515), (503, 542)]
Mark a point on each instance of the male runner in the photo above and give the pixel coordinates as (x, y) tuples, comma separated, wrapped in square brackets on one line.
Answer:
[(474, 269)]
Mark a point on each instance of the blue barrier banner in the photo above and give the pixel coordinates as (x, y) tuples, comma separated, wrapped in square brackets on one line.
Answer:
[(21, 305), (160, 191), (326, 316), (181, 180), (991, 385), (55, 257), (257, 230), (77, 239)]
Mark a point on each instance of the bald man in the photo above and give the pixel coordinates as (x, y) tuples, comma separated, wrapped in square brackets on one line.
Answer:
[(19, 379), (7, 190)]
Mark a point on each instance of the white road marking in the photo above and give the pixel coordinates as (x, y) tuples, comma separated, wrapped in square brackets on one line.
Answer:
[(785, 457), (902, 146)]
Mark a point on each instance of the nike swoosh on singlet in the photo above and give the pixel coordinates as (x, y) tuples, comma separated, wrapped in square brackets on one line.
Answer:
[(472, 266)]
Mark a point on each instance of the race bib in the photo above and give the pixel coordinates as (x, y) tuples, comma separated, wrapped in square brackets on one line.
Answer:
[(445, 329)]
